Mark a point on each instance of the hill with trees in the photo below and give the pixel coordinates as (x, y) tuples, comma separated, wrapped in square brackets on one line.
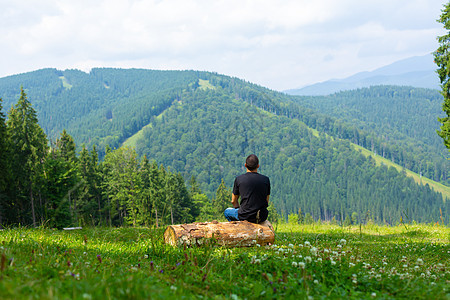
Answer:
[(166, 145)]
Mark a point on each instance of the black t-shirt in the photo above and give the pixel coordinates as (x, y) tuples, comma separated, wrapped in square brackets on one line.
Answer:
[(253, 189)]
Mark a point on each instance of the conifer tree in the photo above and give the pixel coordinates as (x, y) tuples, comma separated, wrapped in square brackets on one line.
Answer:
[(157, 192), (66, 147), (442, 59), (60, 181), (222, 200), (3, 165), (144, 214), (28, 148)]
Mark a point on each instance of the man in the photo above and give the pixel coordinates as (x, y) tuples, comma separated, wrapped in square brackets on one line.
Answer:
[(254, 190)]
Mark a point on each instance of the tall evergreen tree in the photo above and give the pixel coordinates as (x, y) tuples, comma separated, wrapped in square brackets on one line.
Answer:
[(145, 205), (60, 182), (88, 205), (66, 147), (222, 200), (28, 148), (157, 191), (3, 164), (442, 59)]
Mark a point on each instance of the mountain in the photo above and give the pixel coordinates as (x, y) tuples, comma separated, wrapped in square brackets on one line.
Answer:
[(419, 71), (204, 124)]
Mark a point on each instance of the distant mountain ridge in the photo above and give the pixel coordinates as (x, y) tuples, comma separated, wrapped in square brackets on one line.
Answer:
[(418, 71)]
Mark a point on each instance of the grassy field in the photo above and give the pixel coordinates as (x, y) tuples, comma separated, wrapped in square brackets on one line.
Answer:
[(306, 262)]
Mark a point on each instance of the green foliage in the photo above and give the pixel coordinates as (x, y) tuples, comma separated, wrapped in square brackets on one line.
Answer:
[(204, 125), (28, 147), (207, 136), (4, 157), (317, 260), (393, 122), (71, 190), (293, 219), (222, 201), (442, 60)]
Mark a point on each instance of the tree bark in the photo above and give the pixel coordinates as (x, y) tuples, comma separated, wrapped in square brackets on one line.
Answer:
[(232, 234), (32, 206)]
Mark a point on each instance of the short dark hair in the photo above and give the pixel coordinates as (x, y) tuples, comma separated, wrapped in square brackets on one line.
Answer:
[(252, 162)]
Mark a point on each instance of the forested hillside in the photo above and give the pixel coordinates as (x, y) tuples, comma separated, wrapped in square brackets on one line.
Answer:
[(101, 108), (399, 123), (202, 125)]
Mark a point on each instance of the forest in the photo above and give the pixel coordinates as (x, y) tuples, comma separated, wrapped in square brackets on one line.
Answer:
[(140, 147), (50, 184)]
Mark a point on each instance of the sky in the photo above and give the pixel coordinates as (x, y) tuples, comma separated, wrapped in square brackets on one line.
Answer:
[(279, 44)]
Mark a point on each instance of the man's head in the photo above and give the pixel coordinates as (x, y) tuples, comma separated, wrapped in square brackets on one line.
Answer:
[(252, 162)]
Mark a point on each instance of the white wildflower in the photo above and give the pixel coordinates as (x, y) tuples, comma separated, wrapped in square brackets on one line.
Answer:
[(294, 264), (301, 265), (308, 259), (343, 241), (307, 244)]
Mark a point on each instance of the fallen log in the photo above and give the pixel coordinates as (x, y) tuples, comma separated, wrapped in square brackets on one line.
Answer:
[(232, 234)]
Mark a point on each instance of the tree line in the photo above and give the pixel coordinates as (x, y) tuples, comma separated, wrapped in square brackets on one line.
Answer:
[(45, 183)]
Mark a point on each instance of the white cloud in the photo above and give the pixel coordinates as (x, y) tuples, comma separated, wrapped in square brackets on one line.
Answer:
[(279, 44)]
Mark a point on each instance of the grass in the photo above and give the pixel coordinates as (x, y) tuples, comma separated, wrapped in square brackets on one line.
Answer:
[(307, 262), (65, 83), (132, 140), (205, 85)]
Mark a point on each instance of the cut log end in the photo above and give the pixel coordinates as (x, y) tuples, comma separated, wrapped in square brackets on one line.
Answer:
[(232, 234)]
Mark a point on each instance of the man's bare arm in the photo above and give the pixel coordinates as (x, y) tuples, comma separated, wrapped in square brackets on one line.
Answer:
[(235, 200)]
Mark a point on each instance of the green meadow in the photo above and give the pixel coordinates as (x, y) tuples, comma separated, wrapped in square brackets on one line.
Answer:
[(314, 261)]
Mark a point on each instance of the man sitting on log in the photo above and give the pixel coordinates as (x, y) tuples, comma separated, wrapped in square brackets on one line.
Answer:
[(254, 190)]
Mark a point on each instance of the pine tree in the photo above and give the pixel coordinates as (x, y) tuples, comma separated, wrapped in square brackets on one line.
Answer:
[(28, 148), (157, 191), (3, 165), (61, 179), (222, 200), (442, 59), (88, 204), (66, 147)]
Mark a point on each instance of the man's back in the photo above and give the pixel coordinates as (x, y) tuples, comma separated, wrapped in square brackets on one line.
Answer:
[(253, 189)]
